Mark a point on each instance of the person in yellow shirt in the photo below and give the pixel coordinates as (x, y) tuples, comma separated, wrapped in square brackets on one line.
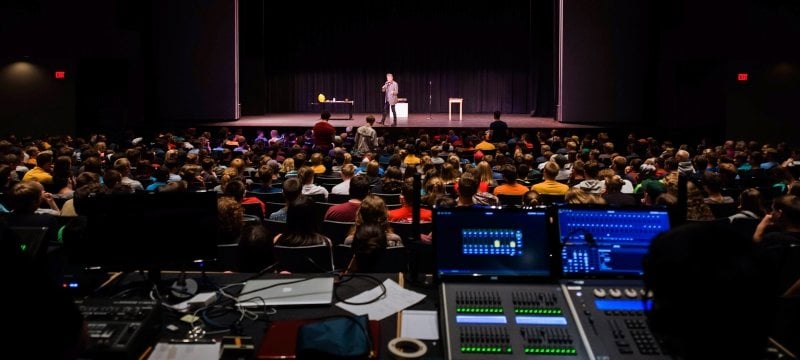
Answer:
[(511, 186), (485, 144), (550, 186), (42, 172), (316, 164), (411, 158)]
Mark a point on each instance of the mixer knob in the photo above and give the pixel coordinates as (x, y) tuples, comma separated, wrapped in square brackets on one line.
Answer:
[(615, 293), (631, 293), (599, 292)]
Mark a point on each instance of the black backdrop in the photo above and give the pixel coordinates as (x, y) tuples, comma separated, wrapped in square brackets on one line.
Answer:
[(496, 55)]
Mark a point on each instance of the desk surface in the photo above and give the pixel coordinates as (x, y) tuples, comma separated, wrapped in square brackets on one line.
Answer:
[(340, 101), (256, 329)]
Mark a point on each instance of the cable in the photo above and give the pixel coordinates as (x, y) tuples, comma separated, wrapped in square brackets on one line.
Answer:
[(352, 276), (263, 271)]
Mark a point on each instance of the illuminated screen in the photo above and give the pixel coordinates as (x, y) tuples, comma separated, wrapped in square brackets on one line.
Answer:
[(602, 241), (480, 241)]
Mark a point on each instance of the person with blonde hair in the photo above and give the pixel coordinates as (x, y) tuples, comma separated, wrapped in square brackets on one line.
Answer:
[(373, 210), (434, 189), (287, 168), (579, 196), (550, 186), (347, 172)]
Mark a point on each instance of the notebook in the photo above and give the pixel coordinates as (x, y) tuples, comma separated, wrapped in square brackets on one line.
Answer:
[(287, 292)]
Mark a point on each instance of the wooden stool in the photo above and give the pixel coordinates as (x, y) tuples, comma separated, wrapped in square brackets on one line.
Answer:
[(451, 101)]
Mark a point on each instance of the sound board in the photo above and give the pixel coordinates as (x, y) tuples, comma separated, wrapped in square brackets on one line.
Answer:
[(508, 321), (611, 313), (119, 329)]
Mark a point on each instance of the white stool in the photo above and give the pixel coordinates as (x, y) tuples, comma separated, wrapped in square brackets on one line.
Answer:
[(450, 102)]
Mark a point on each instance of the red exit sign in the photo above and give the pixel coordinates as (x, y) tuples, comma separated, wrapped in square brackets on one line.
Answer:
[(742, 76), (60, 74)]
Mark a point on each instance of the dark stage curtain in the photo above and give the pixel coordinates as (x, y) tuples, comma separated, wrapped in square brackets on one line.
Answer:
[(495, 55)]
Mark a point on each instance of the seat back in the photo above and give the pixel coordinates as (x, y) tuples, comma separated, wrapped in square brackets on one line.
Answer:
[(275, 197), (510, 200), (338, 198), (723, 210), (304, 259), (275, 227), (336, 230), (546, 199), (405, 230), (393, 259), (253, 210), (390, 199)]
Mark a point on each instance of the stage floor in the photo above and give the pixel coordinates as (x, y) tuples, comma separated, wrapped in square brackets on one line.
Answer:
[(438, 120)]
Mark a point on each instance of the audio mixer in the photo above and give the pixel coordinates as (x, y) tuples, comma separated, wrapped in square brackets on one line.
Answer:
[(509, 320), (612, 314), (119, 329)]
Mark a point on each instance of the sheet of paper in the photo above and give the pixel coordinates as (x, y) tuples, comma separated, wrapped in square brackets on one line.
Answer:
[(420, 324), (395, 299), (167, 351)]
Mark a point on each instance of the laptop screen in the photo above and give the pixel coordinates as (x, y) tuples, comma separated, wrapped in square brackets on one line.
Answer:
[(607, 242), (478, 242)]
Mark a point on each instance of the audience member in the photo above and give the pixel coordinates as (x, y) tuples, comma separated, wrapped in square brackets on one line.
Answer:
[(405, 212), (301, 228), (346, 212), (347, 172), (373, 211)]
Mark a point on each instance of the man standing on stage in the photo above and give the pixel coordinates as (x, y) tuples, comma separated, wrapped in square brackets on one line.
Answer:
[(391, 89)]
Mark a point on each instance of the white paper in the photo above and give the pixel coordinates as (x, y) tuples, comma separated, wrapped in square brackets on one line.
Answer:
[(167, 351), (395, 299), (420, 324), (200, 298)]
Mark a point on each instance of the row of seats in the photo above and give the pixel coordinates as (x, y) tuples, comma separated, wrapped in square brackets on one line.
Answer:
[(415, 257)]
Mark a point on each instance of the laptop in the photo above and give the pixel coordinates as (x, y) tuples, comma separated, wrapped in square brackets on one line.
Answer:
[(603, 242), (287, 292)]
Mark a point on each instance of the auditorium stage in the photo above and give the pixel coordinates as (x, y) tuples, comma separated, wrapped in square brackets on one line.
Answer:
[(437, 120)]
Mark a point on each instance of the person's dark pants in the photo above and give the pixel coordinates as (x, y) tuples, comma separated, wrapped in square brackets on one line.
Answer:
[(386, 107)]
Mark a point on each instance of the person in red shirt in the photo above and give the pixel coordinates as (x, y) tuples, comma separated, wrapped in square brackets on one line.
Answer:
[(346, 212), (405, 212), (324, 133)]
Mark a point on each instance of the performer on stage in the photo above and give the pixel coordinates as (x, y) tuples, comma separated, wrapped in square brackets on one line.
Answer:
[(390, 89)]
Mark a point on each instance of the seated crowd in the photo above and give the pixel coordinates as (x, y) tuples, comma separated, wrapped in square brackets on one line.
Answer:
[(290, 189)]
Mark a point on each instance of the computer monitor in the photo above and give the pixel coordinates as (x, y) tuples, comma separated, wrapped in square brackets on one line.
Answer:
[(491, 243), (607, 242), (145, 231)]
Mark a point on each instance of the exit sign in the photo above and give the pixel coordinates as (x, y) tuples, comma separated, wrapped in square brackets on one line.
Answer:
[(60, 74), (742, 76)]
